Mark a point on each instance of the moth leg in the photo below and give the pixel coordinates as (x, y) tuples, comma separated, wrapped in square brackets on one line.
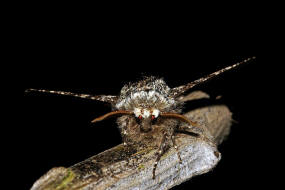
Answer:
[(123, 123), (176, 148), (124, 132), (162, 149)]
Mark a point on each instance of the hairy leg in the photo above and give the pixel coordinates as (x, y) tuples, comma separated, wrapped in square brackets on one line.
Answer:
[(176, 148), (164, 145)]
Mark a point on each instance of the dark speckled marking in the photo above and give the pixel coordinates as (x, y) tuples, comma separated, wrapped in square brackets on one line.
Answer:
[(88, 167), (216, 154)]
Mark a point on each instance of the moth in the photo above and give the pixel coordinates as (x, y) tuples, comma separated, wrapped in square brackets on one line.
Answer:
[(149, 111)]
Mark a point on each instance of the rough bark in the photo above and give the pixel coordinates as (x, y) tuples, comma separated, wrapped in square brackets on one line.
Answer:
[(124, 167)]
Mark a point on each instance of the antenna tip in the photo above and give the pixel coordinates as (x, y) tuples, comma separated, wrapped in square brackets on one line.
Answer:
[(29, 90)]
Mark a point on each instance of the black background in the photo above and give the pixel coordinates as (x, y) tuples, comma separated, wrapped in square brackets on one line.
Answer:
[(71, 53)]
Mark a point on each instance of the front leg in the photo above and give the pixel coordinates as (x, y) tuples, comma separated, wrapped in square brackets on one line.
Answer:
[(123, 124), (164, 145), (176, 149)]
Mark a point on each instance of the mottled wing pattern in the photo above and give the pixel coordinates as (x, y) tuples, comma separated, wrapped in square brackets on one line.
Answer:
[(181, 89), (102, 98)]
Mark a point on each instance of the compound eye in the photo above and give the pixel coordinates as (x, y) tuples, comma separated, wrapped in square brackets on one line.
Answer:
[(140, 117), (152, 117)]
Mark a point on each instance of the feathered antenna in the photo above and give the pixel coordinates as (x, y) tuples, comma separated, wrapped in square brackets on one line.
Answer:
[(175, 92), (103, 98)]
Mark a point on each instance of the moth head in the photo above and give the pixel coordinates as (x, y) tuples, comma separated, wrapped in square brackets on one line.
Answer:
[(146, 117), (142, 113)]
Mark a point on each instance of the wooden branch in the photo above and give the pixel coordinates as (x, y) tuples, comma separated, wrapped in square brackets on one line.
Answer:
[(124, 167)]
